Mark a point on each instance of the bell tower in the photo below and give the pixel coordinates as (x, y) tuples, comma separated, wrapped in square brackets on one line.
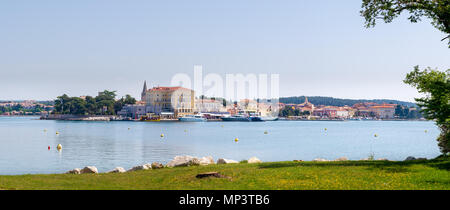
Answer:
[(144, 90)]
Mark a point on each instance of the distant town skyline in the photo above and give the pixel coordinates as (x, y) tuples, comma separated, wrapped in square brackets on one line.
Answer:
[(50, 48)]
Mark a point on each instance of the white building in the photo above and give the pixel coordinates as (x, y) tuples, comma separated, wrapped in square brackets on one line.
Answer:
[(134, 111), (209, 106)]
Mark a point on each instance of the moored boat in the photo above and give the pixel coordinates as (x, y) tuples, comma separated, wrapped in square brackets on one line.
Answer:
[(150, 118), (241, 118), (192, 118), (256, 119), (269, 118)]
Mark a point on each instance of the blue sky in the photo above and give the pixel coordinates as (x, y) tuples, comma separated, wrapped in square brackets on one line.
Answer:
[(48, 48)]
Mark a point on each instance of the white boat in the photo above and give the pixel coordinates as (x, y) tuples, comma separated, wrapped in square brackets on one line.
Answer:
[(192, 118), (269, 118)]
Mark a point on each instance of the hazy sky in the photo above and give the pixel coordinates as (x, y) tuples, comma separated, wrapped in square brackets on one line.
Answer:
[(48, 48)]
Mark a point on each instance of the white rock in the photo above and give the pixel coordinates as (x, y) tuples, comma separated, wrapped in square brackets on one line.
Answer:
[(183, 161), (206, 160), (89, 170), (320, 160), (342, 159), (74, 171), (254, 160), (117, 170), (225, 161), (138, 168)]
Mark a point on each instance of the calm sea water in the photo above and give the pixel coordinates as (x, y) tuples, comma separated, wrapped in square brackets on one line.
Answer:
[(23, 142)]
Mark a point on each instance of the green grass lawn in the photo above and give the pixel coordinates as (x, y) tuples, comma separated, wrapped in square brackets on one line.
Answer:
[(346, 175)]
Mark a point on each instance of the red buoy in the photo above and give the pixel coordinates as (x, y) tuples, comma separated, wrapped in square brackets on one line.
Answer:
[(48, 147)]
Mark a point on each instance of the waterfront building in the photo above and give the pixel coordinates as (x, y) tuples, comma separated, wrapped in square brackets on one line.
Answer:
[(248, 106), (365, 112), (384, 111), (267, 109), (351, 111), (327, 111), (175, 101), (134, 111), (209, 106), (306, 106), (342, 113), (345, 112)]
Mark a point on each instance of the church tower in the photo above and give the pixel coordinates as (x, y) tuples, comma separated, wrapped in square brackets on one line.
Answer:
[(144, 90)]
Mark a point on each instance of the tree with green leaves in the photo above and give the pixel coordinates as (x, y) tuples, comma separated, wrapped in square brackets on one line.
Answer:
[(62, 104), (387, 10), (434, 84), (399, 111), (436, 102), (129, 100), (105, 101), (78, 106), (91, 105)]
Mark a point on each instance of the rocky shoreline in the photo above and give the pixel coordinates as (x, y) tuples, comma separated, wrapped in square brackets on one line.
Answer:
[(179, 161)]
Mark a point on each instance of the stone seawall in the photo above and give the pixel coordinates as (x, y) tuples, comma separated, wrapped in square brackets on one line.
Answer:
[(77, 117)]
